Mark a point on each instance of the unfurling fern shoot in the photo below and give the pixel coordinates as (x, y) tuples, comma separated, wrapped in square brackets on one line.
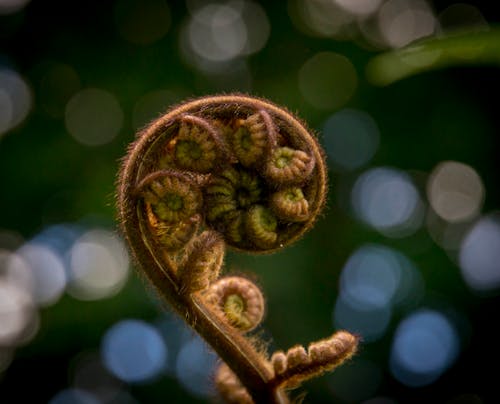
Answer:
[(226, 171)]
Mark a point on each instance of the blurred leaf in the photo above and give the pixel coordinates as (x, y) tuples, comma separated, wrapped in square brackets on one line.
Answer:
[(471, 48)]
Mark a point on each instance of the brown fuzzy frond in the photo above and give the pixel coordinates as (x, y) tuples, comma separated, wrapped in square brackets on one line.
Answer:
[(297, 365)]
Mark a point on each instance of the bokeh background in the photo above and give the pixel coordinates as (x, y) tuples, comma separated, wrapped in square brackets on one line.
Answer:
[(407, 253)]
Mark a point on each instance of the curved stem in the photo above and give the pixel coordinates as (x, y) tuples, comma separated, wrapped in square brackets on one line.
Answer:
[(252, 369), (231, 346), (237, 352)]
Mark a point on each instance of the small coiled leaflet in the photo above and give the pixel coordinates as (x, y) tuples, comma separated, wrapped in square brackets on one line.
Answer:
[(253, 137), (239, 300), (173, 197), (288, 166), (290, 204)]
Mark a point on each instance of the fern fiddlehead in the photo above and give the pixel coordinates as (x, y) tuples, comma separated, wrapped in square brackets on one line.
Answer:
[(226, 171)]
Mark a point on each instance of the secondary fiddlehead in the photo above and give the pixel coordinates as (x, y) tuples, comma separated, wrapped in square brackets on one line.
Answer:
[(226, 171), (239, 300)]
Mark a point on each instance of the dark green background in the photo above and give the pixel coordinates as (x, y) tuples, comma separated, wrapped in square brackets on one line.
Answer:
[(47, 177)]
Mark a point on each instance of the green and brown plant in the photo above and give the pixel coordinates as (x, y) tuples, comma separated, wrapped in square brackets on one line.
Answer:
[(221, 172)]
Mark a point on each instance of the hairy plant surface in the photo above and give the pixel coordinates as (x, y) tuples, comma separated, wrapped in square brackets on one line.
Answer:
[(226, 171)]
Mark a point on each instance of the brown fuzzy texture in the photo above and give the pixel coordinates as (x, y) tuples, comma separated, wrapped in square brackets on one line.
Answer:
[(230, 388), (192, 185), (172, 237), (212, 131), (173, 197), (247, 311), (298, 365), (261, 227), (290, 204), (288, 166), (203, 262)]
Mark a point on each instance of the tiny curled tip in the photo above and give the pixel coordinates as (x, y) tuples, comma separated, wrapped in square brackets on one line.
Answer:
[(239, 300), (289, 166), (290, 204), (279, 362), (251, 140), (172, 196), (339, 347), (297, 356), (261, 226), (194, 149), (210, 129)]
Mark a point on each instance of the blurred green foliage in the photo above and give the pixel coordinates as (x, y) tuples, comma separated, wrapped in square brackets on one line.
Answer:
[(48, 177)]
